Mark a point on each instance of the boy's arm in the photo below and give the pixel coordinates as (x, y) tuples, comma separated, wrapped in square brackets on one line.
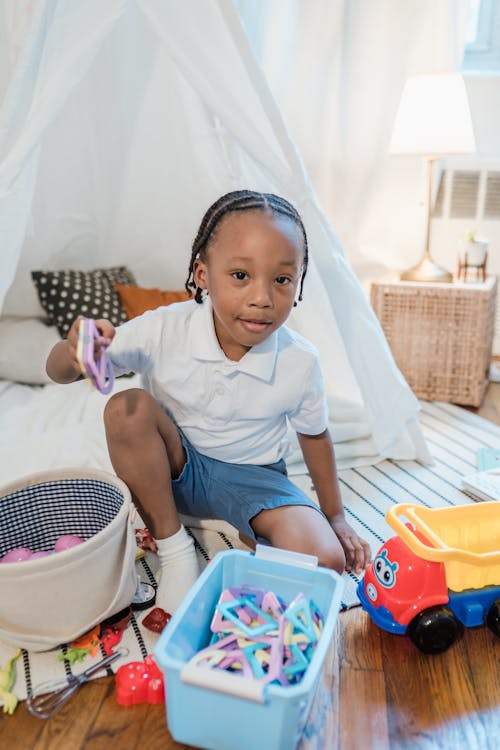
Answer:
[(62, 365), (319, 457)]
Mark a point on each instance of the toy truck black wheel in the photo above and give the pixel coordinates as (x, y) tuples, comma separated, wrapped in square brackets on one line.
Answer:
[(493, 618), (434, 630)]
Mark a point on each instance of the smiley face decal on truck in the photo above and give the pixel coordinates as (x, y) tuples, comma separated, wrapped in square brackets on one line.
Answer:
[(385, 570)]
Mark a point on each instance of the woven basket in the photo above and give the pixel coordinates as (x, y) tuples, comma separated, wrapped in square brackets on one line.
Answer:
[(441, 336), (53, 600)]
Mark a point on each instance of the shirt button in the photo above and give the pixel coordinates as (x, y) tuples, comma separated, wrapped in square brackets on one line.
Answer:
[(219, 390)]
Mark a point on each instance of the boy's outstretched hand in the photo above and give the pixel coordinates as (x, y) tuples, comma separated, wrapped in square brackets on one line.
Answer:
[(357, 551), (105, 328), (62, 363)]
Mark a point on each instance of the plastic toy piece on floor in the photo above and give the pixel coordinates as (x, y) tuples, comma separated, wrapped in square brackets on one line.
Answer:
[(7, 680), (156, 620), (88, 643), (110, 639), (144, 540), (140, 682), (113, 628), (100, 372), (118, 621)]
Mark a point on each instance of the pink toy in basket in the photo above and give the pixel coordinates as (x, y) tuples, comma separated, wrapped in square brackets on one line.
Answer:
[(100, 372)]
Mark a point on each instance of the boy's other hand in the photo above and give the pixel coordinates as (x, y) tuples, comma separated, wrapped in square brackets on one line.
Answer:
[(357, 551)]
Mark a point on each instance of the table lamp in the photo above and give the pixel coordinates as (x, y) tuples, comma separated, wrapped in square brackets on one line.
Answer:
[(433, 119)]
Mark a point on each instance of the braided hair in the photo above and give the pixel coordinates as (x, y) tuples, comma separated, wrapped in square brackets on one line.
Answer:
[(240, 200)]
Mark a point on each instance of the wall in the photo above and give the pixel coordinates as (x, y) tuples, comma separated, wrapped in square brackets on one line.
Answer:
[(484, 98)]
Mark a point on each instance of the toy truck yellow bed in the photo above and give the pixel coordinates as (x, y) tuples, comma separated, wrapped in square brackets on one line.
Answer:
[(465, 538)]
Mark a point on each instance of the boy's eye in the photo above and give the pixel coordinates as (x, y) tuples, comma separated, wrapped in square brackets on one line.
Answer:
[(240, 275), (282, 280)]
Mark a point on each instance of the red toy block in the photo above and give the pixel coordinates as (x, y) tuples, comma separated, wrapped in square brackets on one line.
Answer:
[(140, 682)]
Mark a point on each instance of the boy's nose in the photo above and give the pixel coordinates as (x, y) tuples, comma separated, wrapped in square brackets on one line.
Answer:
[(260, 295)]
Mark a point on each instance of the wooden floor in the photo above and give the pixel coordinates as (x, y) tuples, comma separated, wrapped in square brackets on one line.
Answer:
[(385, 694)]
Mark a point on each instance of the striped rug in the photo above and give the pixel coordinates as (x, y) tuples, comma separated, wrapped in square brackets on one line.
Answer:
[(453, 435)]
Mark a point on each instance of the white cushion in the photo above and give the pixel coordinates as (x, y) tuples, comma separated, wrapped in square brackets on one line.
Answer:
[(24, 346)]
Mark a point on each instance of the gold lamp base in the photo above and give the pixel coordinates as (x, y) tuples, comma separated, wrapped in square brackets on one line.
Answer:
[(427, 270)]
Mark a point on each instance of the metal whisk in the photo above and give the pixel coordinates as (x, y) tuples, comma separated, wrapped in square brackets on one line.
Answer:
[(49, 697)]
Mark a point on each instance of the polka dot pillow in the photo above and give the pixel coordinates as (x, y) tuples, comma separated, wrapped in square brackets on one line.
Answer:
[(64, 295)]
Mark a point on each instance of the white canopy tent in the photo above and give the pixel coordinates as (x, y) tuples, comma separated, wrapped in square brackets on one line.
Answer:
[(121, 123)]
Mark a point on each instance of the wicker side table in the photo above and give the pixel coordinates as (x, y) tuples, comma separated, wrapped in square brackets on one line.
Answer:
[(441, 335)]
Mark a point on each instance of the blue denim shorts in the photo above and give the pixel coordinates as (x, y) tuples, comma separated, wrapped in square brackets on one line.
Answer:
[(209, 488)]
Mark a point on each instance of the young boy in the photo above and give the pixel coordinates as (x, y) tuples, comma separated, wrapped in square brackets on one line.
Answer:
[(223, 378)]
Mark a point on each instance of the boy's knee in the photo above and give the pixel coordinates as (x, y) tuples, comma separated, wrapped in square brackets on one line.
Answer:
[(333, 558), (328, 550), (324, 544), (126, 409)]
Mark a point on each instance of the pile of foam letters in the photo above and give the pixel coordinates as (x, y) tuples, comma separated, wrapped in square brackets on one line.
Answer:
[(258, 635)]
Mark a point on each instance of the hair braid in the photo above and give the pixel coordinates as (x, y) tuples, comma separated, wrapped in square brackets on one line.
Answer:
[(240, 200)]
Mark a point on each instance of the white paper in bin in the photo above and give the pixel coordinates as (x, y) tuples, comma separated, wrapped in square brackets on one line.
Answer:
[(223, 682), (266, 552)]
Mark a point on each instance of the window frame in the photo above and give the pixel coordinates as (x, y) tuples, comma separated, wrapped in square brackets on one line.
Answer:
[(483, 54)]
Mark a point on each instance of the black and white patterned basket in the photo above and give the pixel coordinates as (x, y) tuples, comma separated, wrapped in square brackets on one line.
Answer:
[(54, 599)]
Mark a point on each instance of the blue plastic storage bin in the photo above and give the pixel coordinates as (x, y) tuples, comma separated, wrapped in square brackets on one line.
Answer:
[(224, 711)]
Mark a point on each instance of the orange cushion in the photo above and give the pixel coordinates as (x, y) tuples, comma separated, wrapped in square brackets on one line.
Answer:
[(136, 299)]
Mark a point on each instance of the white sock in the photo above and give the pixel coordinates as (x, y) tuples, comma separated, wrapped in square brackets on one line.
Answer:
[(178, 569)]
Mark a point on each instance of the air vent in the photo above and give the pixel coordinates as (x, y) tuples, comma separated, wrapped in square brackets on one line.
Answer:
[(468, 200), (492, 198), (464, 194), (468, 194)]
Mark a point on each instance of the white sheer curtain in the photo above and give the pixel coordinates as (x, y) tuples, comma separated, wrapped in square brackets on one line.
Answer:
[(109, 156), (337, 69), (15, 19)]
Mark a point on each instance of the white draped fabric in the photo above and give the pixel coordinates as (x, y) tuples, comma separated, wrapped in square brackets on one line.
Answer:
[(122, 122), (337, 69)]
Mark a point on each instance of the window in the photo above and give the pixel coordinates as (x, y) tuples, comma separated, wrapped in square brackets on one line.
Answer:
[(482, 43)]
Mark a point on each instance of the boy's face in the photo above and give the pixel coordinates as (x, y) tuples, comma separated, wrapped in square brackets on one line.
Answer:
[(251, 272)]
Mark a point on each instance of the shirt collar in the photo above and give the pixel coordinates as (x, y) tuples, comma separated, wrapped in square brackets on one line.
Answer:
[(259, 361)]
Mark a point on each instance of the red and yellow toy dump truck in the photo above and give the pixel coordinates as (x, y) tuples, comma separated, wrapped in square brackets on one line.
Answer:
[(441, 572)]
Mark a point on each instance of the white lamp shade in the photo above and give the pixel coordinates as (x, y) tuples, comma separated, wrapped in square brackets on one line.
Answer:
[(433, 117)]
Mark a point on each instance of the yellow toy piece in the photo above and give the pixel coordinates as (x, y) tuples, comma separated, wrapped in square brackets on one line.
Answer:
[(7, 680)]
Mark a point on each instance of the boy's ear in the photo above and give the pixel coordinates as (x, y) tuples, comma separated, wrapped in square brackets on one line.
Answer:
[(200, 274)]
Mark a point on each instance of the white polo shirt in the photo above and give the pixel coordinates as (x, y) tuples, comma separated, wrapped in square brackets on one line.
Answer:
[(233, 411)]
